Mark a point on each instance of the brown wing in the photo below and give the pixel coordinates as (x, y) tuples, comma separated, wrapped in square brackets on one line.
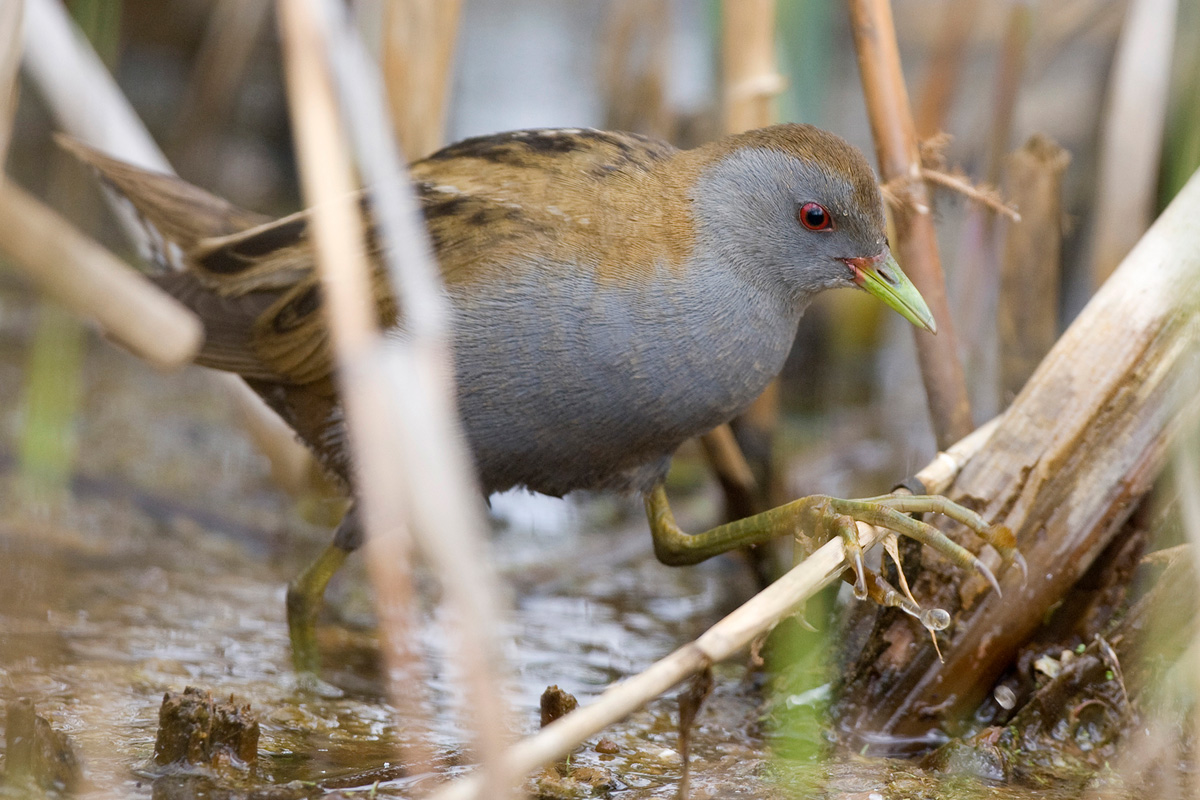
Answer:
[(489, 203)]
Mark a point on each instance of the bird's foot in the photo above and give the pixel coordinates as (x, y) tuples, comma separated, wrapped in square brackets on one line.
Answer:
[(821, 518)]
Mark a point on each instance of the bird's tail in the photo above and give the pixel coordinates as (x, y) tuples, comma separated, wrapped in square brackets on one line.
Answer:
[(251, 280)]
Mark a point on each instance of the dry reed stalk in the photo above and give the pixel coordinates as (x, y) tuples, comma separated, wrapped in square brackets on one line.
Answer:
[(329, 185), (86, 102), (429, 477), (418, 59), (234, 26), (945, 66), (916, 240), (1027, 309), (10, 59), (726, 638), (750, 76), (1132, 133), (79, 273)]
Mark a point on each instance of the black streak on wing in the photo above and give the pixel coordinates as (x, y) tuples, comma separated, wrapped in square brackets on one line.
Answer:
[(276, 237)]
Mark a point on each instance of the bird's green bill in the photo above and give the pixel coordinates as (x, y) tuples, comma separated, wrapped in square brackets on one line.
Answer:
[(882, 277)]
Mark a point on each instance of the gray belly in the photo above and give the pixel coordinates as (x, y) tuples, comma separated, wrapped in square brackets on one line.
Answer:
[(568, 384)]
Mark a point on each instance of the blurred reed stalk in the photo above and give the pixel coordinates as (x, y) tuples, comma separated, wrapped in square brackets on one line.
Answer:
[(1132, 133), (1014, 48), (86, 102), (93, 284), (634, 63), (1181, 156), (414, 470), (53, 377), (750, 85), (330, 189), (234, 26), (976, 281), (1027, 308), (915, 247), (11, 16), (945, 66), (723, 640), (1083, 441), (418, 60)]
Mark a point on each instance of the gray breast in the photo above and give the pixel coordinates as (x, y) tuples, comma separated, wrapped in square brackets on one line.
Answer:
[(566, 383)]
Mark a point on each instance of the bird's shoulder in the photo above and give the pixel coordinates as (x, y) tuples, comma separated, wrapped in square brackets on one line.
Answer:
[(583, 198)]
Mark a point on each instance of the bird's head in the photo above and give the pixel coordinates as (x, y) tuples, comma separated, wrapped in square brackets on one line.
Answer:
[(799, 208)]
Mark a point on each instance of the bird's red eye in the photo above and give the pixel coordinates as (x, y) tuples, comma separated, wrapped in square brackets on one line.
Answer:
[(814, 217)]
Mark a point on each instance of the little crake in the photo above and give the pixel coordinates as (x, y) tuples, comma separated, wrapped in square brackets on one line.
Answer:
[(613, 297)]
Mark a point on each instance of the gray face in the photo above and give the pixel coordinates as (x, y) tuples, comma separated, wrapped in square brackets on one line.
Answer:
[(748, 208)]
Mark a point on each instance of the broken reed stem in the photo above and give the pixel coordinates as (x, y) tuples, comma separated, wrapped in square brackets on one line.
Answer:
[(330, 190), (86, 102), (78, 272), (916, 248), (418, 59), (945, 67), (737, 630), (1132, 133), (1027, 306), (1080, 445)]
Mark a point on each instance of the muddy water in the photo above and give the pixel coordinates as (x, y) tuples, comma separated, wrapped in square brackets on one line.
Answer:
[(163, 565)]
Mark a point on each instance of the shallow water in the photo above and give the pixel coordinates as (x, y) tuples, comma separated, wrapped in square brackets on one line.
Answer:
[(164, 564)]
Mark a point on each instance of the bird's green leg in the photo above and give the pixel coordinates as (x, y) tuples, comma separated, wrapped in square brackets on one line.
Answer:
[(820, 517), (305, 596)]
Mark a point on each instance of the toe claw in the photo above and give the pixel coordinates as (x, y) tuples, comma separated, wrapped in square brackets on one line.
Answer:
[(1019, 561), (982, 569)]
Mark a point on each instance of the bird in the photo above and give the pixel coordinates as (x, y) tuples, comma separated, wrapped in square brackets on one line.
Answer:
[(612, 297)]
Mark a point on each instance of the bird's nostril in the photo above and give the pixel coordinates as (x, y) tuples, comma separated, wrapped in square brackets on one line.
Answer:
[(887, 275)]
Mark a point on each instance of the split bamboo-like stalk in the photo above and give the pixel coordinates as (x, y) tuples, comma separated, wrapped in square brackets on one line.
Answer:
[(728, 637), (413, 467), (87, 103), (82, 275), (418, 60), (1076, 450), (1027, 310), (916, 240), (1132, 132), (327, 178)]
